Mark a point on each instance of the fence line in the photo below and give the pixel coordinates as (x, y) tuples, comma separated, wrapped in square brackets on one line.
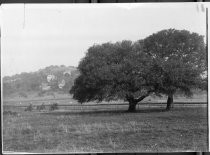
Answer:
[(40, 100), (111, 104)]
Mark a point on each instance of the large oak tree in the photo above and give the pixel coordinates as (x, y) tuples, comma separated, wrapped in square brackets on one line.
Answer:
[(113, 71)]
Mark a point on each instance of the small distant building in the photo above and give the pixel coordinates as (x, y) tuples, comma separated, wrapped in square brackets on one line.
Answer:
[(44, 86), (61, 84), (50, 78)]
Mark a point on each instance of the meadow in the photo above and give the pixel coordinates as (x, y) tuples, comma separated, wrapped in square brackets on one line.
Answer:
[(106, 129)]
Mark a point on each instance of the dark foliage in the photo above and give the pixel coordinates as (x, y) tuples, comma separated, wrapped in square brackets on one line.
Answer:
[(112, 71)]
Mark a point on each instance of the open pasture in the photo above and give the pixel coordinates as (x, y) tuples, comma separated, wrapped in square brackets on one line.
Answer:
[(106, 129)]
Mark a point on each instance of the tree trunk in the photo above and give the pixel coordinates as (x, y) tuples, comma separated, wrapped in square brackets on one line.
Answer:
[(170, 102), (133, 102), (132, 107)]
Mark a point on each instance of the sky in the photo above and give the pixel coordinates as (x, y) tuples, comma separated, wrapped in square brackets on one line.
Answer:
[(34, 36)]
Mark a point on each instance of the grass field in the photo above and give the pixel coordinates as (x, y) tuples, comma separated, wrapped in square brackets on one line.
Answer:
[(149, 129)]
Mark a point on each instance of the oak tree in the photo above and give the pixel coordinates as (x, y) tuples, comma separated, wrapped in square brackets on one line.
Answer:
[(178, 60), (113, 71)]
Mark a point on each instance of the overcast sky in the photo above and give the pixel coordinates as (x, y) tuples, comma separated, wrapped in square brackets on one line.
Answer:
[(60, 34)]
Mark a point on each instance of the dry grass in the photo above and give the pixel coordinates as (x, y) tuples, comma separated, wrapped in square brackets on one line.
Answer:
[(181, 129)]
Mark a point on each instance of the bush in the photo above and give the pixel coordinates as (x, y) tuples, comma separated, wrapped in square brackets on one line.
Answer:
[(41, 107), (29, 108), (53, 106)]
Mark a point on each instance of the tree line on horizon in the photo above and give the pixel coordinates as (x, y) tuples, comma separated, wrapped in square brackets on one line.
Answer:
[(161, 64)]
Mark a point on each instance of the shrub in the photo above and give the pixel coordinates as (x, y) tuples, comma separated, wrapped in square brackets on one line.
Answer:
[(41, 107), (53, 106), (29, 108)]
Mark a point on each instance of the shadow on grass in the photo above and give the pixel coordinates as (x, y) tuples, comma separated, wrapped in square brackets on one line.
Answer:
[(98, 112)]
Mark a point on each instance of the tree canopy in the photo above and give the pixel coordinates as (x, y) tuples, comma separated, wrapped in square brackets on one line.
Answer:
[(162, 63), (179, 61)]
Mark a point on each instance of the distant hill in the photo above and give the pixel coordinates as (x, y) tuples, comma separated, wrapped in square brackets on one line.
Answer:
[(50, 80), (55, 82)]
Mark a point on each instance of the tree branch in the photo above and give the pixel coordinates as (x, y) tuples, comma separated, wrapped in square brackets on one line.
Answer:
[(144, 96), (130, 98)]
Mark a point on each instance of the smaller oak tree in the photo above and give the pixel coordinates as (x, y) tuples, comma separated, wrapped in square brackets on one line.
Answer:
[(178, 60)]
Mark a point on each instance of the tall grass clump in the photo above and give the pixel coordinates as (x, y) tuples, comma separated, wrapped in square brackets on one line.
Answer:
[(53, 107)]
